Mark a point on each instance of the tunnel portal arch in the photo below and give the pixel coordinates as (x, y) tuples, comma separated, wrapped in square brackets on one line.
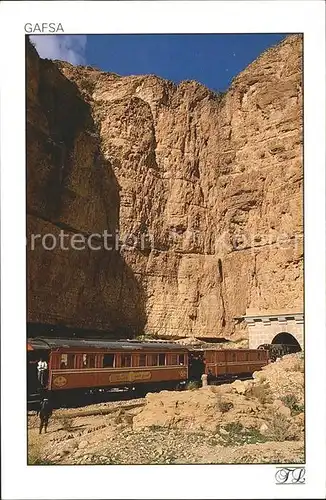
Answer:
[(281, 328), (287, 338)]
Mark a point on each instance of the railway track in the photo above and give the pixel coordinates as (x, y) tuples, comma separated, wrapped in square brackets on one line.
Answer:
[(81, 401), (99, 409)]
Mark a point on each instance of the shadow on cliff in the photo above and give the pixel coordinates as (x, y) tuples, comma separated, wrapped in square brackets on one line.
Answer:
[(112, 299), (71, 186)]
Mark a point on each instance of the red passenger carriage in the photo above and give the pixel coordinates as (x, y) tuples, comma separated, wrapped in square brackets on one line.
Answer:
[(78, 364), (227, 363)]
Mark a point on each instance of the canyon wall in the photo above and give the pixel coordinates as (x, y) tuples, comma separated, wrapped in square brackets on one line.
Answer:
[(208, 187)]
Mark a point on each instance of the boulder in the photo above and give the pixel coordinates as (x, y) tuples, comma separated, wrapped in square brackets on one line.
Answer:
[(284, 410), (239, 387), (263, 428), (278, 403)]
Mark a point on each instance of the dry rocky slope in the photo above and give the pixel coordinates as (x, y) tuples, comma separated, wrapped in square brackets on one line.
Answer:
[(201, 173), (256, 421)]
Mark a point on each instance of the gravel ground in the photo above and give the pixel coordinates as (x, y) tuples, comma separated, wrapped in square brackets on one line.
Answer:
[(110, 439)]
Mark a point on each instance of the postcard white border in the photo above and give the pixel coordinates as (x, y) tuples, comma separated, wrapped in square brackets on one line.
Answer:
[(213, 481)]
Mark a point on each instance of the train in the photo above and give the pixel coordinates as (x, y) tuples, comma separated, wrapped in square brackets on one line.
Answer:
[(76, 367), (278, 350)]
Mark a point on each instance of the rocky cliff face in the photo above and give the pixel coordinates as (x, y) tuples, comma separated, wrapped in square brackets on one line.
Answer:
[(208, 188)]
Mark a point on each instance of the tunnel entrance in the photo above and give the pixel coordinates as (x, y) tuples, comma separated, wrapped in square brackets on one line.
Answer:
[(287, 339)]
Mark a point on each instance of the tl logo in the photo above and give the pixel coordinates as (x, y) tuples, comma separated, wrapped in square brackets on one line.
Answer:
[(290, 475)]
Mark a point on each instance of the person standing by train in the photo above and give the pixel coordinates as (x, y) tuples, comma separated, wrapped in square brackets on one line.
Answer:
[(45, 413), (42, 367), (210, 377)]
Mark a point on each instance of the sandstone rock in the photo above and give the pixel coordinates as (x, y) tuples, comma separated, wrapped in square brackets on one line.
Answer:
[(239, 387), (248, 385), (278, 403), (263, 428), (299, 421), (284, 410), (259, 376), (211, 407), (222, 389), (82, 445), (189, 409), (213, 181), (282, 381)]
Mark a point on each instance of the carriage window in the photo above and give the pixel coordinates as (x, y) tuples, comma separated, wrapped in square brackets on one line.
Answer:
[(108, 361), (153, 360), (173, 359), (161, 359), (142, 359), (67, 361), (64, 361), (88, 360), (125, 360), (181, 359)]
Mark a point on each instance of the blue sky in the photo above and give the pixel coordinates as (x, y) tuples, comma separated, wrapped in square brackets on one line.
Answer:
[(210, 59)]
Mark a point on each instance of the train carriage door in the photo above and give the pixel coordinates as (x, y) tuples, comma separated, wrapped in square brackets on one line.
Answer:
[(197, 364)]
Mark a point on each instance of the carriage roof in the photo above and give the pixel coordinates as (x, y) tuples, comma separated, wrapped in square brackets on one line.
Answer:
[(41, 343)]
